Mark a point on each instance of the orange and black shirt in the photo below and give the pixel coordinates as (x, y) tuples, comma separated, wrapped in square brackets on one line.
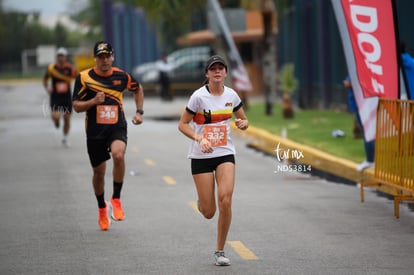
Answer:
[(103, 119), (61, 76)]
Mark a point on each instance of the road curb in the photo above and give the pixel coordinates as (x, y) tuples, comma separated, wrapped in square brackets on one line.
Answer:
[(333, 166)]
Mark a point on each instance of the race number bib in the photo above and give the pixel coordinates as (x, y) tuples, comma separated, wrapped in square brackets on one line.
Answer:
[(217, 135), (62, 87), (106, 114)]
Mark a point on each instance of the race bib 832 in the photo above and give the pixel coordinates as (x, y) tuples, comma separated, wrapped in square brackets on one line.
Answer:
[(217, 135)]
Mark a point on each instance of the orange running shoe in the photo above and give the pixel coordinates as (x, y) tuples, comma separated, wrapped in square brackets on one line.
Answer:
[(117, 212), (103, 220)]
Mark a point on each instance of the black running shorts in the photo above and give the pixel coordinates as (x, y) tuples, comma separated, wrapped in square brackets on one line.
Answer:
[(61, 105), (99, 149), (199, 166)]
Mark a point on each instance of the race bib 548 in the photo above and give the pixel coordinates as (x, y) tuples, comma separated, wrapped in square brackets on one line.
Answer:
[(106, 114)]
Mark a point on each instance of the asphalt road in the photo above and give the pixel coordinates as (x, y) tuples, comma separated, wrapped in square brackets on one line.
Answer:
[(283, 223)]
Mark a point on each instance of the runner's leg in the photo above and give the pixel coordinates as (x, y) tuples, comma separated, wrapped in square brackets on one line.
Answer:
[(66, 125), (56, 118), (98, 178), (118, 148), (204, 183), (225, 184)]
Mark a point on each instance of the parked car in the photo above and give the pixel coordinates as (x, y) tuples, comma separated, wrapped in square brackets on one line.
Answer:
[(187, 70)]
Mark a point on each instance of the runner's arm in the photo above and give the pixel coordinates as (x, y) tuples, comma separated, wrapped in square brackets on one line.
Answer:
[(139, 98), (46, 81), (139, 103), (83, 106), (241, 120), (185, 128)]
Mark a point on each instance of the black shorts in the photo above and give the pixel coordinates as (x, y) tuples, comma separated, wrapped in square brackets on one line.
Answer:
[(199, 166), (61, 105), (99, 149)]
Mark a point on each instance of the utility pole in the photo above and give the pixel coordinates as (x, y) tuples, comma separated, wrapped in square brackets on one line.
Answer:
[(241, 80), (269, 57)]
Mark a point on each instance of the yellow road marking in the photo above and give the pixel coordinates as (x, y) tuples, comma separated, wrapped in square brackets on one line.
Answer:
[(149, 162), (193, 205), (135, 149), (242, 250), (169, 180)]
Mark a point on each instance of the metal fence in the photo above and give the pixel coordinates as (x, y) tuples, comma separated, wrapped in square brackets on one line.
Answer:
[(394, 149)]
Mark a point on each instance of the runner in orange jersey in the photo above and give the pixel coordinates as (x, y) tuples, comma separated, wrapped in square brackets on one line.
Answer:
[(61, 73), (99, 91)]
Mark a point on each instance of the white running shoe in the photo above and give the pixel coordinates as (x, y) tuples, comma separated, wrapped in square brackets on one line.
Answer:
[(364, 165), (65, 142), (221, 259)]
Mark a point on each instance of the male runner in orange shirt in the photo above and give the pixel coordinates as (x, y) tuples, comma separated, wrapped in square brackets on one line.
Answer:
[(61, 73), (99, 91)]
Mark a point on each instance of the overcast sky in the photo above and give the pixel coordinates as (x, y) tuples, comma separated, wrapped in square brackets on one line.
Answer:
[(47, 8)]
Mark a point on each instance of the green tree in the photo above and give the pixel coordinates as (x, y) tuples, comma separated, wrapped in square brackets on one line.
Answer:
[(35, 34), (20, 31), (91, 16), (163, 13), (60, 35), (288, 84)]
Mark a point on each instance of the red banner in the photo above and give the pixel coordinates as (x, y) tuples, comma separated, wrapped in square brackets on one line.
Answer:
[(367, 30), (372, 33)]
